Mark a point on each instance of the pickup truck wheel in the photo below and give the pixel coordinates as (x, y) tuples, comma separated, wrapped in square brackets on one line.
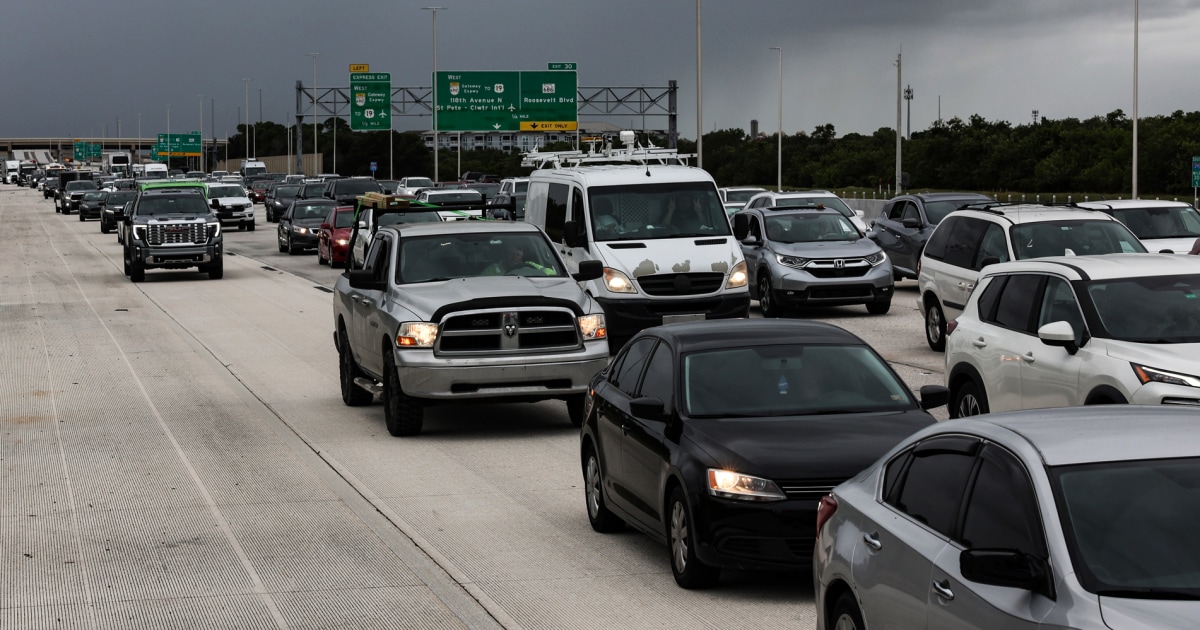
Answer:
[(216, 270), (352, 395), (103, 227), (250, 226), (402, 412), (137, 272), (575, 409)]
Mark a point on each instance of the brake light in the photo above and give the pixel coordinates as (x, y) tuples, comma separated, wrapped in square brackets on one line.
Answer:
[(950, 326), (825, 510)]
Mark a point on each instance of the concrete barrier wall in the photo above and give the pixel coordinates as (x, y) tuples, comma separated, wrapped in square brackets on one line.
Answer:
[(277, 164)]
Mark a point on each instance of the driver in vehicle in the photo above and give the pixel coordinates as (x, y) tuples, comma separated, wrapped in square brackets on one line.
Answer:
[(514, 259)]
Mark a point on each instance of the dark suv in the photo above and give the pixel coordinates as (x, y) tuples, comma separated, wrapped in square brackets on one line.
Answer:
[(906, 222), (346, 191), (170, 226)]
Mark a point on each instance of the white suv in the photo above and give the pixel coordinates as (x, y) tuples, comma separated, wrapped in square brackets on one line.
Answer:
[(969, 239), (1068, 331), (1163, 226)]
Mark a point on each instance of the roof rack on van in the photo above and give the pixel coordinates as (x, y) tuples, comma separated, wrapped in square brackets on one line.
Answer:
[(636, 154)]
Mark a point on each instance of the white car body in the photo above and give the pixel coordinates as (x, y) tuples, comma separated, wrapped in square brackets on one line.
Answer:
[(766, 199), (1160, 225), (231, 208)]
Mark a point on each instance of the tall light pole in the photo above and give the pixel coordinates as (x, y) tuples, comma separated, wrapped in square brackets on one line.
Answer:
[(203, 162), (434, 11), (1135, 98), (899, 132), (908, 96), (118, 133), (699, 95), (314, 166), (246, 129), (168, 139), (139, 142), (779, 156), (258, 123)]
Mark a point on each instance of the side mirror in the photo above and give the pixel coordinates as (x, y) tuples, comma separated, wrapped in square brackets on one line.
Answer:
[(571, 234), (362, 225), (910, 223), (1059, 334), (216, 204), (589, 270), (1005, 567), (647, 407), (934, 396), (326, 226), (741, 226), (364, 280)]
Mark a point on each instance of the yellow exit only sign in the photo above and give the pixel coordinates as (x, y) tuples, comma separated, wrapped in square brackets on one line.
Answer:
[(549, 125)]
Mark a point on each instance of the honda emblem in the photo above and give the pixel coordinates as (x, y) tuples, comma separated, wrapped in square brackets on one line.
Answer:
[(839, 264)]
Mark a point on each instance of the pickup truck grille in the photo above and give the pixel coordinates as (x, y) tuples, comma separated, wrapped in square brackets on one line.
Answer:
[(681, 283), (177, 234), (508, 331)]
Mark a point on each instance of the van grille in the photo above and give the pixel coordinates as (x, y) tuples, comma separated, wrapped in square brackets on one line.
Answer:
[(177, 234), (508, 331), (681, 283)]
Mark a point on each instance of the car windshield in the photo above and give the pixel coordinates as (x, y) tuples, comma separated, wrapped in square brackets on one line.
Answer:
[(310, 211), (119, 198), (651, 211), (283, 192), (789, 380), (172, 204), (418, 182), (95, 195), (935, 211), (827, 201), (410, 216), (343, 219), (1080, 237), (356, 186), (1153, 309), (740, 196), (80, 185), (312, 190), (216, 192), (1128, 526), (466, 196), (803, 227), (466, 255), (1178, 222)]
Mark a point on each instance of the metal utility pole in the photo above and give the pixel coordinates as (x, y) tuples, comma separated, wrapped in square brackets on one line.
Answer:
[(314, 166), (1134, 191), (246, 129), (700, 94), (434, 11), (779, 148), (203, 163), (258, 123), (899, 169), (908, 96), (168, 139)]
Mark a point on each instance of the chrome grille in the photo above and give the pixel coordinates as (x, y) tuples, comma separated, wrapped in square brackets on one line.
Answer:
[(838, 267), (681, 283), (508, 330), (177, 234), (807, 489)]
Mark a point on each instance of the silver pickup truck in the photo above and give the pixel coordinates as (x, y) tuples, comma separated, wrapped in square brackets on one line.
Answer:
[(465, 311)]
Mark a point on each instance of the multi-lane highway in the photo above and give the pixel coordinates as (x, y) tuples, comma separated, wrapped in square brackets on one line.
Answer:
[(175, 453)]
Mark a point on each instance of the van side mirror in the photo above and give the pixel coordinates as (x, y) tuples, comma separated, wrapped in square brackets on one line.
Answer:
[(741, 226), (589, 270), (571, 233)]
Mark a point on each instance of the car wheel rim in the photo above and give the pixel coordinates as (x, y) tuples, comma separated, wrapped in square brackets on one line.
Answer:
[(844, 622), (968, 406), (679, 537), (934, 327), (593, 486), (764, 294)]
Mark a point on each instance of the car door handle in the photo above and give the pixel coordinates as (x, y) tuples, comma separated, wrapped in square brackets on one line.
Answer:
[(366, 302), (872, 540), (942, 588), (979, 342), (1028, 357), (625, 429)]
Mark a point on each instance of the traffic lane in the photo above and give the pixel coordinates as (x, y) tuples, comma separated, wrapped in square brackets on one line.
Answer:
[(262, 245), (140, 473)]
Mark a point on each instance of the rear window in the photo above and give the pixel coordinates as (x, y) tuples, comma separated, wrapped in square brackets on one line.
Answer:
[(355, 186)]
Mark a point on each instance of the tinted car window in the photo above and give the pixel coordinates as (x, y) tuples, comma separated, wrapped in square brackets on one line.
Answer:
[(1058, 305), (964, 242), (993, 245), (1002, 512), (936, 247), (626, 374), (990, 297), (556, 211), (659, 381), (933, 488), (1015, 310), (1089, 236)]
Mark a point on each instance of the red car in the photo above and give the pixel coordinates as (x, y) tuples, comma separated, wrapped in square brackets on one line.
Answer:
[(333, 238), (258, 190)]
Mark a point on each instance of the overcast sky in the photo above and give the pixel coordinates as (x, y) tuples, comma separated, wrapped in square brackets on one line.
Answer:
[(71, 67)]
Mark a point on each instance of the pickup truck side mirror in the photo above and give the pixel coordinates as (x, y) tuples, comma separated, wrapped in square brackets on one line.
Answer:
[(364, 280), (216, 204), (589, 270)]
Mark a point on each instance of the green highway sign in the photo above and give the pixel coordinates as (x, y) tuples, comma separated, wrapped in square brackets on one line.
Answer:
[(87, 150), (562, 65), (1196, 171), (507, 101), (179, 144), (370, 101)]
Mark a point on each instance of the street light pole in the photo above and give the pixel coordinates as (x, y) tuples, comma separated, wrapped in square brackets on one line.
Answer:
[(1135, 99), (168, 139), (314, 166), (139, 142), (899, 132), (246, 129), (908, 96), (434, 11), (699, 95), (779, 156), (203, 162)]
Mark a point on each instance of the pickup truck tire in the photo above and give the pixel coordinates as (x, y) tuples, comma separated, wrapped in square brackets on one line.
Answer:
[(103, 227), (352, 395), (250, 226), (402, 412), (137, 273), (216, 270), (575, 409)]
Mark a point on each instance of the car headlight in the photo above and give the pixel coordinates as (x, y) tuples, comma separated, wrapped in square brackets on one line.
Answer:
[(1147, 374), (737, 277), (592, 327), (416, 335), (792, 261), (139, 232), (875, 259), (728, 484), (617, 282), (299, 230)]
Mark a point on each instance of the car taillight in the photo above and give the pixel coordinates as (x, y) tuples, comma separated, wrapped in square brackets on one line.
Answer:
[(825, 510), (950, 326)]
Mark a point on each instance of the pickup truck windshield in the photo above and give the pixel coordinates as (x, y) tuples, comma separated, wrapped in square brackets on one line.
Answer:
[(650, 211), (217, 192), (468, 255), (174, 204), (80, 185)]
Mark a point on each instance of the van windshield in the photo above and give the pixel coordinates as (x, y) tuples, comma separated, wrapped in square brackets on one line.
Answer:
[(651, 211)]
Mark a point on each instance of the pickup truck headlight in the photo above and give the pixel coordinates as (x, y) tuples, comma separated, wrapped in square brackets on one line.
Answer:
[(416, 335), (617, 282), (214, 229), (728, 484), (737, 277), (139, 232), (592, 327)]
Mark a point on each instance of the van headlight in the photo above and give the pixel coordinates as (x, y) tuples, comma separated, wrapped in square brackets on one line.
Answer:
[(737, 277), (416, 335), (592, 327), (617, 282)]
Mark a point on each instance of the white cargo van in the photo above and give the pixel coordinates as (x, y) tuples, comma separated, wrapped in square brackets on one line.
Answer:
[(252, 167), (658, 227), (154, 170), (12, 168)]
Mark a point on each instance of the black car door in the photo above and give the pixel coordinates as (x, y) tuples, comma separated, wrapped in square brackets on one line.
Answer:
[(646, 452), (612, 417)]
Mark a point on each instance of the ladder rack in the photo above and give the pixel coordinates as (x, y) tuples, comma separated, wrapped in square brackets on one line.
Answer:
[(637, 154)]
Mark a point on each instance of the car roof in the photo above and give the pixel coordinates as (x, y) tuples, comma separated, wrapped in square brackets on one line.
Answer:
[(454, 227), (1020, 213), (1103, 266), (172, 186), (624, 174), (1096, 433), (946, 196), (775, 211), (1125, 204), (733, 333)]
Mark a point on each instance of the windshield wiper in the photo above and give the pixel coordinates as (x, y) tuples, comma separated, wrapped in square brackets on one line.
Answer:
[(1148, 593)]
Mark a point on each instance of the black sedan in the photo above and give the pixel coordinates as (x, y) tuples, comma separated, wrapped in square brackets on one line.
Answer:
[(720, 437), (92, 204), (114, 208), (298, 227)]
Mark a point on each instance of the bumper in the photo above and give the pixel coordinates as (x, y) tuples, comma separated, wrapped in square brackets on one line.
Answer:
[(176, 257), (90, 212), (239, 216), (1166, 394), (337, 253), (423, 375), (308, 239), (626, 318), (798, 287), (755, 536)]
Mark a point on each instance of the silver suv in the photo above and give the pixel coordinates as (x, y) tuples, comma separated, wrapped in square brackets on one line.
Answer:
[(979, 235)]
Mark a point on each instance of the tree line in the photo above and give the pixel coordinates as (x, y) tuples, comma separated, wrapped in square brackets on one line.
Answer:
[(1068, 155)]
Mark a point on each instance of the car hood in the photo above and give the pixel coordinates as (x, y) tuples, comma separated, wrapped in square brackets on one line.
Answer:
[(1121, 613), (673, 255), (828, 249), (426, 298), (1175, 357), (836, 446), (1180, 245), (231, 201)]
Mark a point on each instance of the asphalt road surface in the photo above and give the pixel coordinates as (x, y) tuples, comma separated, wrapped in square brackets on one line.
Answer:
[(175, 453)]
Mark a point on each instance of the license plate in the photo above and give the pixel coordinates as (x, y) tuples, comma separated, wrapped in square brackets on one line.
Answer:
[(674, 319)]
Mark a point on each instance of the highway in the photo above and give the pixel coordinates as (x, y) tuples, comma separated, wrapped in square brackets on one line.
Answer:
[(175, 453)]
